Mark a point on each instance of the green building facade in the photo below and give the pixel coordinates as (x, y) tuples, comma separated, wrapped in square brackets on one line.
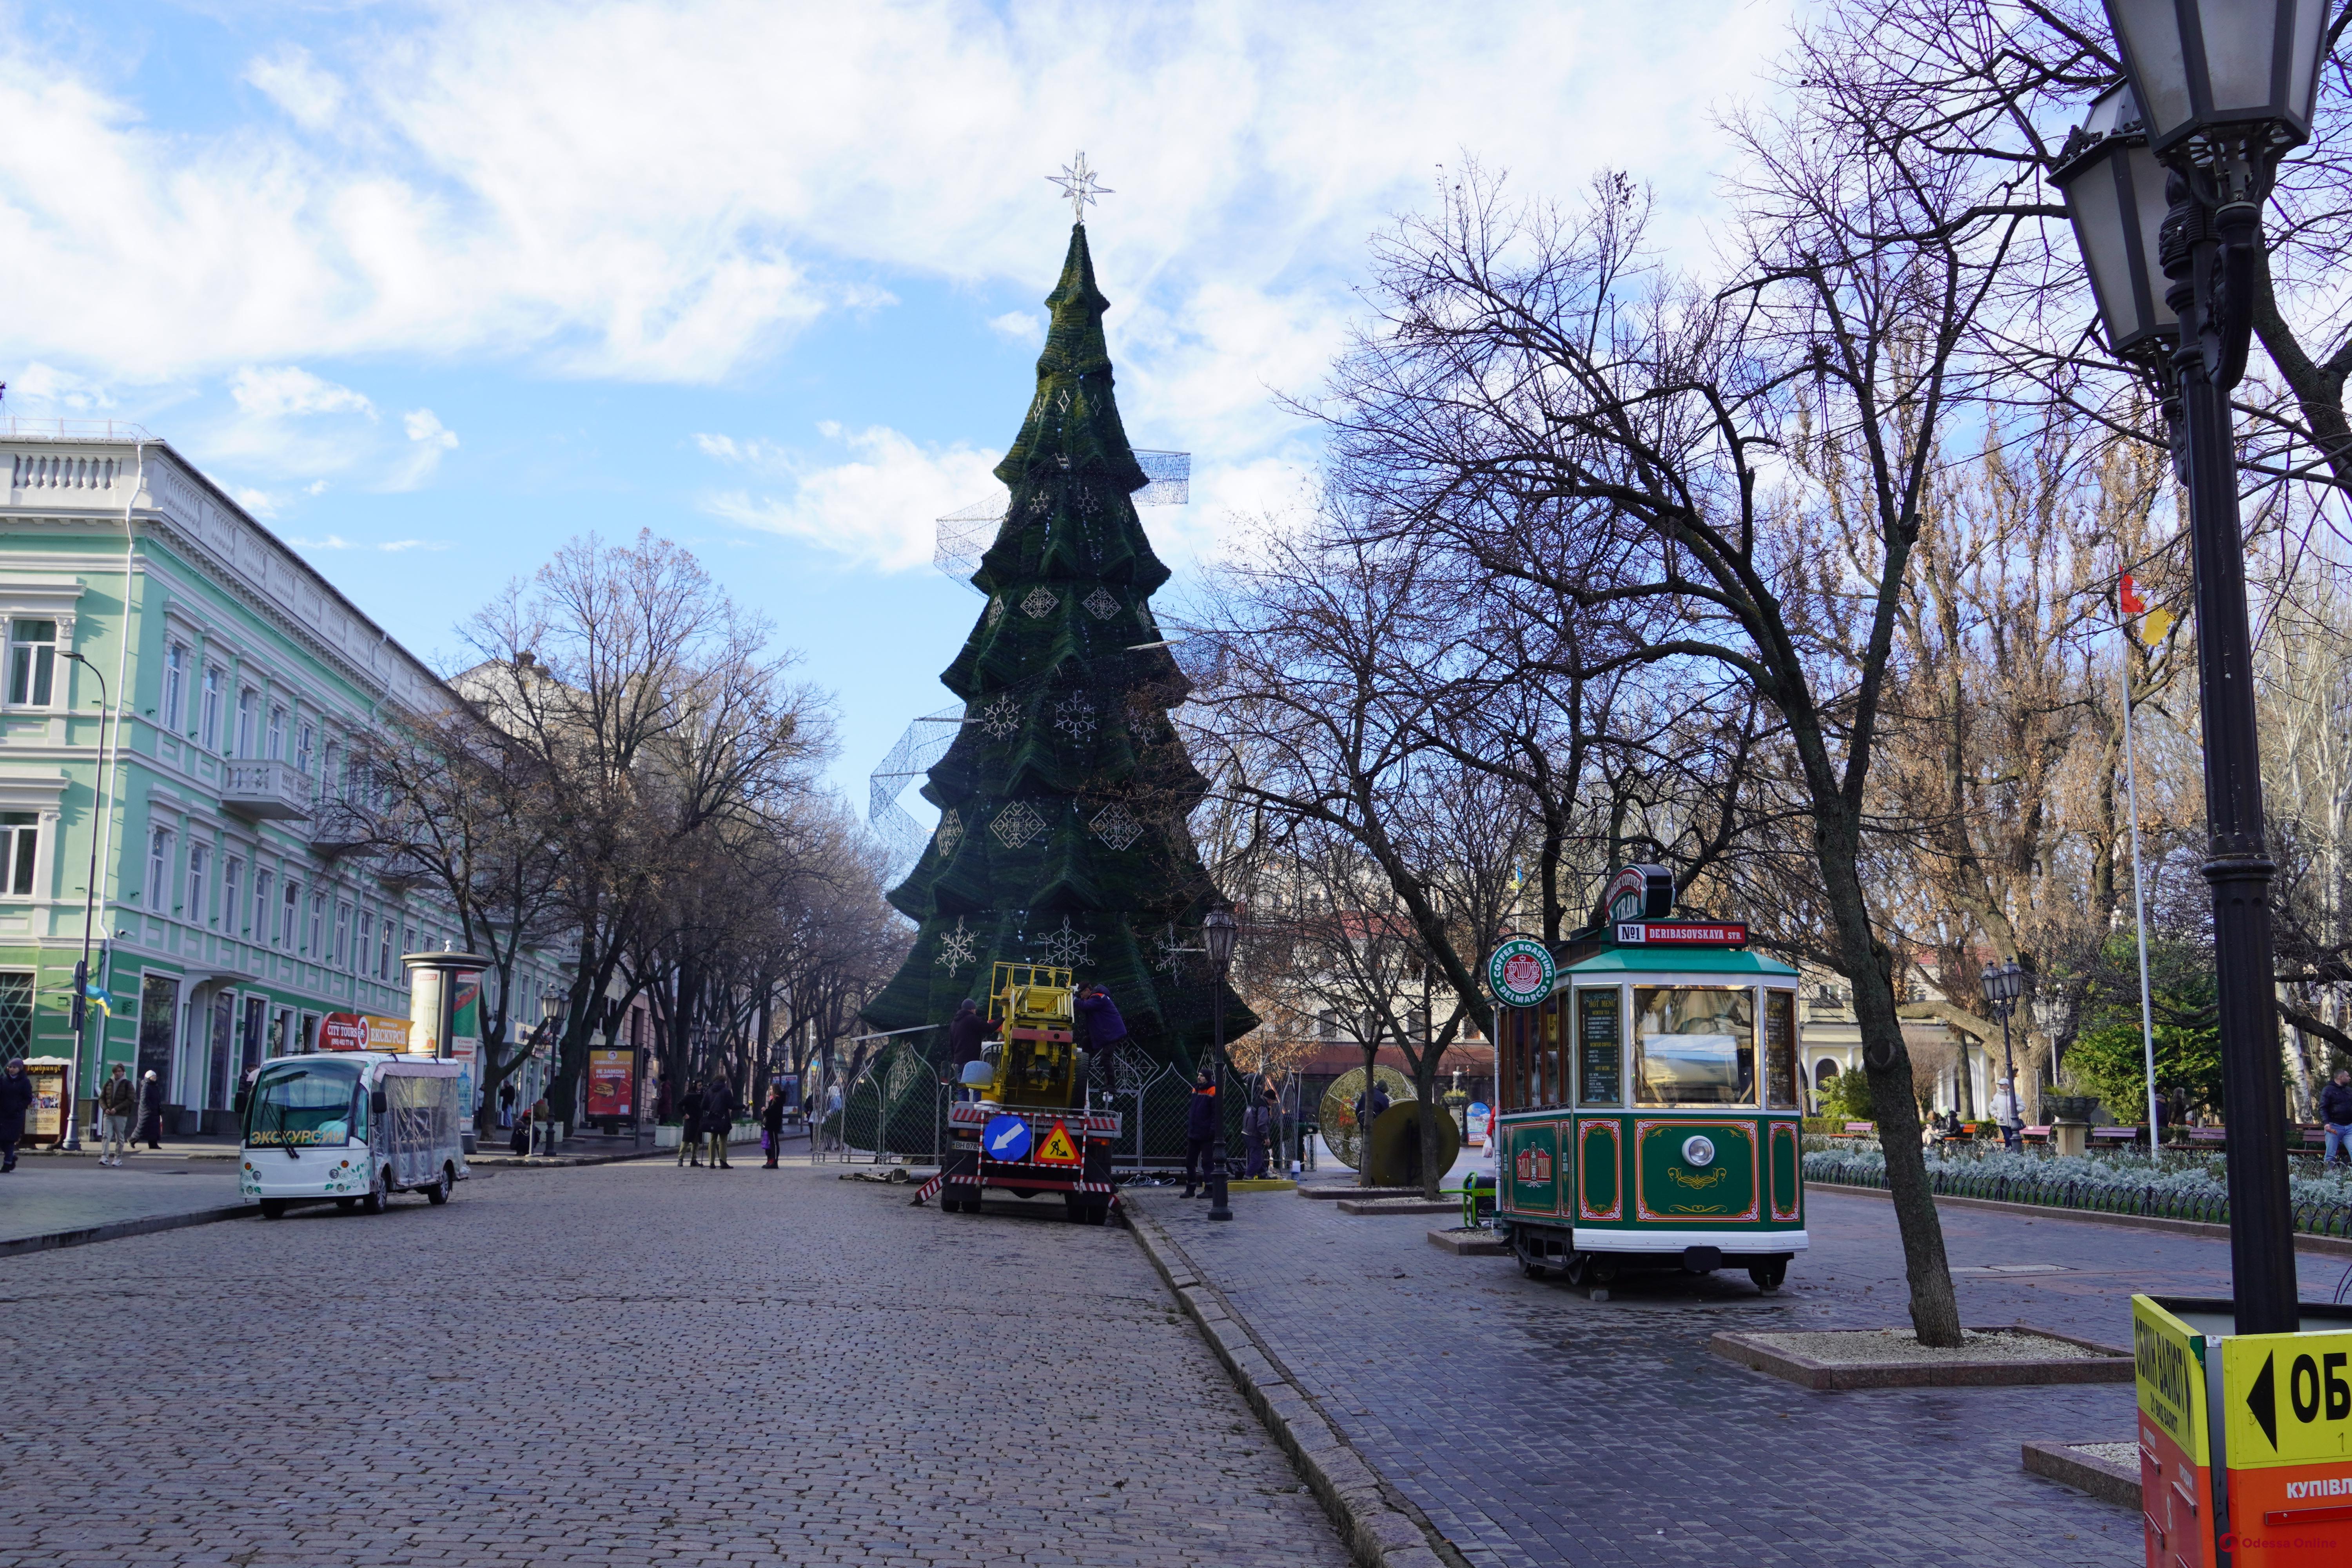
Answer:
[(232, 912)]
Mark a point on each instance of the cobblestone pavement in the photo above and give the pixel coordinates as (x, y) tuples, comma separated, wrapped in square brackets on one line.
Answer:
[(628, 1364), (42, 1196), (1534, 1426)]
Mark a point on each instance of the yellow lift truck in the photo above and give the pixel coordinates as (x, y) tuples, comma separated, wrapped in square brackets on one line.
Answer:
[(1031, 1131)]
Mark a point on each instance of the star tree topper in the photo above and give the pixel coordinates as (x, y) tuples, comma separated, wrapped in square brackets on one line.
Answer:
[(1078, 184)]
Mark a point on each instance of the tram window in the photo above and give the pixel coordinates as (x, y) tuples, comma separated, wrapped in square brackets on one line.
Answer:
[(1550, 1088), (1780, 1050), (1694, 1045), (1511, 1029), (1599, 1048)]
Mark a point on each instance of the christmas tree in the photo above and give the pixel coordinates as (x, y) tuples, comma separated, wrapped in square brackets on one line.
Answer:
[(1064, 800)]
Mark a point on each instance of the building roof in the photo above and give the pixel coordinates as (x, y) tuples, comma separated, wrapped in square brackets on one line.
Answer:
[(1725, 961)]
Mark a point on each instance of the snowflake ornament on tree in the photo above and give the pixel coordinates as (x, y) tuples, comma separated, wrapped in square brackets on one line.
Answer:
[(1074, 716), (1017, 825), (1100, 605), (1068, 948), (1002, 718), (1039, 604), (1116, 825), (950, 833), (956, 947)]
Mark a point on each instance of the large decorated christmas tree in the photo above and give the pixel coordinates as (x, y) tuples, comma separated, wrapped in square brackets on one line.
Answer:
[(1064, 800)]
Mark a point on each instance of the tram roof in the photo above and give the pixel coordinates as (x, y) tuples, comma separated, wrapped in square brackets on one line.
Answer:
[(1630, 959)]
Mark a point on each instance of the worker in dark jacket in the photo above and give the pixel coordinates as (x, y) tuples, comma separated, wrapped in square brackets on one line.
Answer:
[(719, 1108), (1200, 1131), (689, 1126), (1105, 1028), (2335, 1112), (966, 1031), (1258, 1124), (16, 1099)]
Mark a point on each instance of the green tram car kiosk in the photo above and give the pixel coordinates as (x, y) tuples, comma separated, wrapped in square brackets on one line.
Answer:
[(1635, 1127)]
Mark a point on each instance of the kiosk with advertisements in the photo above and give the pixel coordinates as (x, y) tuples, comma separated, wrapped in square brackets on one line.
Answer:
[(1647, 1114)]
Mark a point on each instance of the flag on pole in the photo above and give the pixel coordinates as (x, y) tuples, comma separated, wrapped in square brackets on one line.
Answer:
[(2154, 623)]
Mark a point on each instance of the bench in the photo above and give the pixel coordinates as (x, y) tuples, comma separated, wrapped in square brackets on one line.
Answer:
[(2035, 1134), (2116, 1136), (2210, 1137), (1860, 1128)]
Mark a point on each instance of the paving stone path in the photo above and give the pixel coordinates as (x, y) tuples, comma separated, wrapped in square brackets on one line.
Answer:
[(1534, 1426), (44, 1194), (628, 1364)]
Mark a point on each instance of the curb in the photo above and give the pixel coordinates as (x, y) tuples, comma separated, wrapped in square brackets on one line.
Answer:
[(1380, 1528), (1398, 1205), (1327, 1192), (2113, 1365), (1465, 1246), (2064, 1463), (2322, 1245), (115, 1230), (556, 1161)]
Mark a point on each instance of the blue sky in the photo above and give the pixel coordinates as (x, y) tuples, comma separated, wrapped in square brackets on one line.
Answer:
[(435, 287)]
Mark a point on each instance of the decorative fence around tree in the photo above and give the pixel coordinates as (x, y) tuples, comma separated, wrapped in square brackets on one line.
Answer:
[(899, 1107), (2314, 1215)]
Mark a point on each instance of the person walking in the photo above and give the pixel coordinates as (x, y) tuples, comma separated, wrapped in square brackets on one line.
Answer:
[(116, 1102), (1200, 1131), (507, 1103), (542, 1125), (16, 1099), (719, 1108), (689, 1125), (151, 1111), (771, 1124), (1257, 1124), (2336, 1115)]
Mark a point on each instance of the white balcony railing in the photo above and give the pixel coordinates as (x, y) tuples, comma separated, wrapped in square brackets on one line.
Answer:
[(266, 789)]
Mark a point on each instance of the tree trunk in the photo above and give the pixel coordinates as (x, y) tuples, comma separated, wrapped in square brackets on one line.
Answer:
[(1364, 1115), (1886, 1065)]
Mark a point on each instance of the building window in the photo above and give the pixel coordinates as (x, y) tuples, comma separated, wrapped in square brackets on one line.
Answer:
[(159, 868), (327, 776), (288, 912), (20, 840), (32, 662), (208, 719), (232, 891), (261, 906), (277, 747), (383, 954), (316, 946), (175, 684), (342, 935), (305, 739), (363, 944), (16, 1016), (248, 715), (200, 860)]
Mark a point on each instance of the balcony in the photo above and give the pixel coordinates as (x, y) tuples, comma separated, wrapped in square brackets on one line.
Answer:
[(266, 790), (337, 829)]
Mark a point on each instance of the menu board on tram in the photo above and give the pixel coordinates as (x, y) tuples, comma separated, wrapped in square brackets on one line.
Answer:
[(1598, 1048)]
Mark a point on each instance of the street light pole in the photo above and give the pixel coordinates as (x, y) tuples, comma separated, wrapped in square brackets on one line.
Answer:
[(1219, 931), (2214, 93), (2002, 987), (72, 1138)]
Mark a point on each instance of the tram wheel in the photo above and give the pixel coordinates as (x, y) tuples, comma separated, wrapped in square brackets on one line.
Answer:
[(1767, 1275), (1579, 1269), (1531, 1267)]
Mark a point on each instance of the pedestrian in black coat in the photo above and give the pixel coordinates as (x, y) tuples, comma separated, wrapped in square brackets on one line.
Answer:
[(151, 1111), (772, 1122), (16, 1099), (689, 1126), (719, 1108)]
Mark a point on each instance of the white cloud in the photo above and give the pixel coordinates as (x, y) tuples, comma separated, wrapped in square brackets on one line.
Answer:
[(877, 509), (428, 439), (310, 97), (260, 503), (277, 392), (389, 547), (44, 390), (618, 188), (1020, 326)]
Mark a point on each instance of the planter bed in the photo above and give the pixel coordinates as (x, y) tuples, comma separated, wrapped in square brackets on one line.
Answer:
[(2108, 1471), (1995, 1356), (1479, 1242)]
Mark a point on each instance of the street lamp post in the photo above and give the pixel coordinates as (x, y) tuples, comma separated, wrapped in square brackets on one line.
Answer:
[(72, 1138), (2215, 92), (1219, 931), (2004, 984)]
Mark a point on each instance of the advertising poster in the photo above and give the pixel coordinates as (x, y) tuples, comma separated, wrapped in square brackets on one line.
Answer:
[(612, 1077), (363, 1031), (45, 1121)]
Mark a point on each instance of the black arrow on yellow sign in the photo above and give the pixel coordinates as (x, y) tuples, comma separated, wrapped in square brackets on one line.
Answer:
[(2261, 1399)]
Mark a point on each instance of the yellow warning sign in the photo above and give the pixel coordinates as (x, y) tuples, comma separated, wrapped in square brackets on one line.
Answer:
[(1058, 1149)]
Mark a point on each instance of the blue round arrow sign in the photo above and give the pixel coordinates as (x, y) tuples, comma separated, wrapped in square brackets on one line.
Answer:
[(1005, 1138)]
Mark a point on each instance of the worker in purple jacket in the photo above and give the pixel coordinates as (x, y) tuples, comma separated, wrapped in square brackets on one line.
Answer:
[(1105, 1028)]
